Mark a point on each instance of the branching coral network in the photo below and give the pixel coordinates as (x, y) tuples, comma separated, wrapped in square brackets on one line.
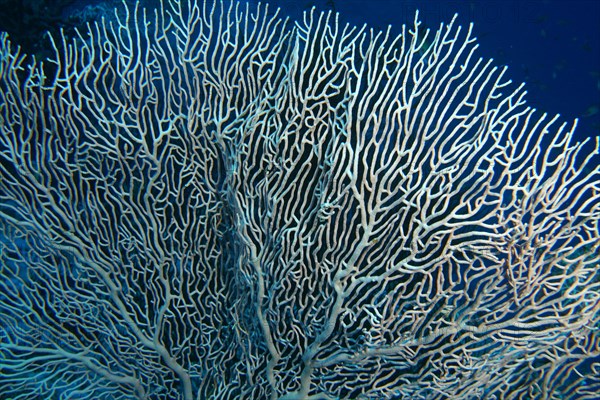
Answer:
[(210, 201)]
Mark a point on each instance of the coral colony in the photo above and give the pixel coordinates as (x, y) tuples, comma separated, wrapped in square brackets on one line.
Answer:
[(208, 201)]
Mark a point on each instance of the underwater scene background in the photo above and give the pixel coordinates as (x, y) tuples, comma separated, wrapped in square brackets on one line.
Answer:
[(552, 45)]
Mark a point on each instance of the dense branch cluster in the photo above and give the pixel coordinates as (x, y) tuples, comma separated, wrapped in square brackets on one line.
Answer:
[(213, 202)]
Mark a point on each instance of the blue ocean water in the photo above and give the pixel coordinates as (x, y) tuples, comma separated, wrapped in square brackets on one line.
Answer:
[(552, 45)]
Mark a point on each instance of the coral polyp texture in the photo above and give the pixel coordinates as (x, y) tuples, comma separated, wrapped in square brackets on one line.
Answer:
[(208, 201)]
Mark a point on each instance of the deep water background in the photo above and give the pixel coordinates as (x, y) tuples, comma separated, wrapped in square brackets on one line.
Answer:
[(552, 45)]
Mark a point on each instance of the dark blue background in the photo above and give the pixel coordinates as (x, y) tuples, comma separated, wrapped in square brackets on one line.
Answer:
[(553, 46)]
